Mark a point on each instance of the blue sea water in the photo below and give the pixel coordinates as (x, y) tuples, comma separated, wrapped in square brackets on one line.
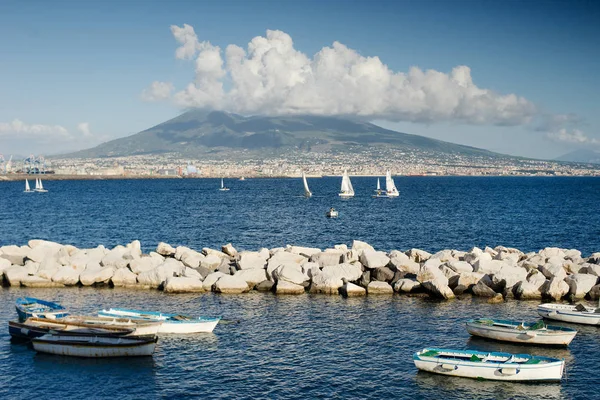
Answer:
[(305, 346)]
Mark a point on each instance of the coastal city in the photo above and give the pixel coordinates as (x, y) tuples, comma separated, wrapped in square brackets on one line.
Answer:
[(370, 162)]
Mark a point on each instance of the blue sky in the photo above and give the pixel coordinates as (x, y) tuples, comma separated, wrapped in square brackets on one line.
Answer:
[(73, 73)]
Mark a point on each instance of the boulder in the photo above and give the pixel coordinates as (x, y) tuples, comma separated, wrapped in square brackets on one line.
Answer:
[(595, 293), (507, 277), (15, 254), (251, 260), (48, 268), (327, 258), (525, 290), (377, 287), (341, 247), (482, 290), (310, 268), (304, 251), (114, 258), (349, 257), (460, 266), (252, 276), (123, 277), (15, 274), (5, 264), (488, 266), (37, 282), (444, 256), (418, 255), (92, 276), (229, 250), (211, 279), (586, 268), (551, 271), (211, 261), (144, 264), (508, 258), (31, 267), (265, 286), (67, 276), (580, 284), (192, 259), (285, 287), (448, 273), (180, 251), (429, 272), (192, 273), (552, 252), (374, 259), (165, 249), (465, 281), (490, 251), (472, 255), (382, 274), (325, 283), (438, 288), (365, 279), (537, 279), (208, 251), (41, 252), (555, 288), (359, 246), (290, 273), (176, 284), (351, 272), (283, 258), (406, 285), (228, 284), (351, 290), (156, 277)]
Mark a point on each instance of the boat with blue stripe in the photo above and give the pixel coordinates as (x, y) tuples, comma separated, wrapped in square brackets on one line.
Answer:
[(537, 333), (171, 323), (490, 366), (28, 307), (576, 314)]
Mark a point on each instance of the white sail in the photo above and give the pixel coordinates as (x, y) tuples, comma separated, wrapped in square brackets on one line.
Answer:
[(37, 184), (346, 190), (378, 185), (27, 188), (390, 186), (307, 192), (42, 186), (222, 183)]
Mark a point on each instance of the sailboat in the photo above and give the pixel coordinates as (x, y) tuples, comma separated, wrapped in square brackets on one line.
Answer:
[(346, 190), (223, 188), (378, 191), (27, 188), (307, 191), (390, 186), (39, 187)]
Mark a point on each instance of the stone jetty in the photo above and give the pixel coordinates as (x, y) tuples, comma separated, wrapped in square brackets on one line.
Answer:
[(495, 273)]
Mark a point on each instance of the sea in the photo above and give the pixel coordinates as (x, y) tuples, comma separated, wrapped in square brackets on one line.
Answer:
[(307, 346)]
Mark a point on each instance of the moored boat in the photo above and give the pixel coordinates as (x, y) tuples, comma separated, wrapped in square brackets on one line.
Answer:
[(332, 213), (492, 366), (520, 332), (28, 307), (577, 314), (94, 346), (37, 327), (139, 327), (171, 323)]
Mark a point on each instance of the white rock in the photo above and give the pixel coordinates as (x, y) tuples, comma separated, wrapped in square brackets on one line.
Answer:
[(443, 256), (252, 276), (4, 264), (229, 250), (175, 284), (231, 285), (37, 282), (404, 265), (156, 277), (509, 276), (349, 256), (310, 268), (48, 268), (508, 258), (581, 284), (123, 277), (377, 287), (31, 267), (349, 289), (289, 273), (488, 267), (374, 259), (165, 249), (572, 254), (429, 273), (327, 258), (192, 273), (537, 279), (592, 269), (351, 272), (418, 255), (265, 253), (460, 266), (285, 287), (15, 254), (525, 290), (145, 264), (552, 252), (325, 283), (192, 259), (211, 261), (342, 247), (359, 246), (467, 280), (490, 251), (45, 243), (555, 288), (210, 280), (553, 271), (212, 252), (406, 285), (448, 273), (41, 252), (283, 258), (251, 260), (438, 288), (15, 274), (305, 251), (473, 255), (114, 258), (67, 276), (91, 276), (180, 251)]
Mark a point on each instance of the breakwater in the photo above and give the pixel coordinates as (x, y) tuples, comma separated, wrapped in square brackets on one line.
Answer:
[(357, 270)]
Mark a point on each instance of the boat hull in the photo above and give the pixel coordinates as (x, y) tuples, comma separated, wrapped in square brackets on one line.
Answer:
[(567, 313), (141, 328), (170, 323), (94, 347), (538, 337), (29, 307), (31, 329)]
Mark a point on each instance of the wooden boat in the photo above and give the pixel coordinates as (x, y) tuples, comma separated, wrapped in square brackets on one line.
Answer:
[(139, 327), (520, 332), (31, 307), (94, 346), (492, 366), (578, 314), (37, 327), (171, 323)]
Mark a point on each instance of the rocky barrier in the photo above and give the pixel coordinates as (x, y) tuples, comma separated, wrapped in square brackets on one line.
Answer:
[(497, 273)]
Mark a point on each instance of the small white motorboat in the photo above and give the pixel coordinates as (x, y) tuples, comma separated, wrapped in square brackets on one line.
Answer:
[(520, 332), (171, 323), (577, 314), (332, 213), (94, 346), (492, 366)]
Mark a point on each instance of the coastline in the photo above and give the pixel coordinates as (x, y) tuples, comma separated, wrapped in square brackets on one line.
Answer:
[(497, 274)]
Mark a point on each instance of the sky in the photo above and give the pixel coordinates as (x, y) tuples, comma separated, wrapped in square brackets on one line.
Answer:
[(515, 77)]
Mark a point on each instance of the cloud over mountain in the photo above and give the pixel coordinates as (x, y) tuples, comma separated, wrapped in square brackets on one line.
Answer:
[(271, 77)]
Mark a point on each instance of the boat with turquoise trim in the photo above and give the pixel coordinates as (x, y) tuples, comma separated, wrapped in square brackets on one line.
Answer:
[(520, 332), (171, 323), (28, 307)]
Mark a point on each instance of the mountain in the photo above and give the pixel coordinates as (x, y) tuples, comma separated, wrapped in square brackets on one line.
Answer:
[(196, 132), (581, 156)]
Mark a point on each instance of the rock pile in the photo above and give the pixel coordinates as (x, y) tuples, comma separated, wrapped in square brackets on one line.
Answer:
[(497, 273)]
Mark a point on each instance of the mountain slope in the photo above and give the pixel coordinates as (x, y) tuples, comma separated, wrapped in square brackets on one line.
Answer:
[(199, 132), (581, 156)]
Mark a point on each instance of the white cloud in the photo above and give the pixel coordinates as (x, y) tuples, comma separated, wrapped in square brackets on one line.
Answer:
[(84, 128), (20, 129), (157, 91), (271, 77), (573, 137)]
